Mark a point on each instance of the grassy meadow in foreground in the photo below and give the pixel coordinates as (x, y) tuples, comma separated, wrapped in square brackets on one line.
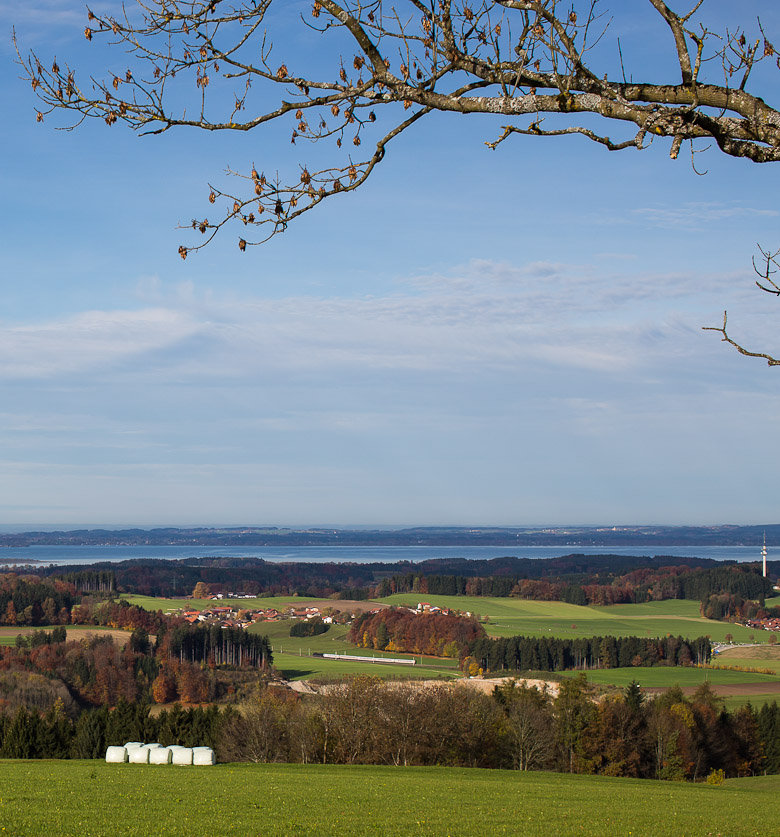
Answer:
[(91, 798)]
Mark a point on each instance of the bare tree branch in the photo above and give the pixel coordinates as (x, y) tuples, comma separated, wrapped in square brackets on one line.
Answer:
[(771, 361), (212, 64)]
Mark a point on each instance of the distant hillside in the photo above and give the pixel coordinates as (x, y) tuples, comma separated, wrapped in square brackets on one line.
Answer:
[(618, 575), (725, 535)]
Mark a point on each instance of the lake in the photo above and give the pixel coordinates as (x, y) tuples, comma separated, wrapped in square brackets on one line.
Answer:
[(361, 554)]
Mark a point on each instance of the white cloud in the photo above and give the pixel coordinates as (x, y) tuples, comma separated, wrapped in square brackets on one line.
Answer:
[(483, 315), (698, 215), (89, 342)]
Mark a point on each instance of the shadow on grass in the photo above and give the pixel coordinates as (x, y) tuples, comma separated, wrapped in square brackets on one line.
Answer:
[(294, 673)]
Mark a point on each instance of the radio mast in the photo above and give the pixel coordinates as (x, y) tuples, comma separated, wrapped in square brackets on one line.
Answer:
[(763, 554)]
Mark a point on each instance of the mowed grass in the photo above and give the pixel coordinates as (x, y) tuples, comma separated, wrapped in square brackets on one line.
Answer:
[(92, 798), (666, 676), (510, 617), (295, 667), (734, 702)]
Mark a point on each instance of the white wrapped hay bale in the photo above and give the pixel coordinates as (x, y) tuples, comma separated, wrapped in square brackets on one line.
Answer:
[(116, 755), (138, 755), (133, 745), (181, 755), (203, 755), (160, 755), (152, 746)]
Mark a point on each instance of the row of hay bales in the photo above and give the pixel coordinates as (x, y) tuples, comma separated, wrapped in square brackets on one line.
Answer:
[(136, 752)]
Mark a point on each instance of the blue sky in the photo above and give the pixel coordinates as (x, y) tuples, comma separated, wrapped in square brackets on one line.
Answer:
[(474, 338)]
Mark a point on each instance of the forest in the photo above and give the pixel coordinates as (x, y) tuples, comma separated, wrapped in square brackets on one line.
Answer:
[(187, 663), (365, 720), (398, 629), (578, 579), (524, 653)]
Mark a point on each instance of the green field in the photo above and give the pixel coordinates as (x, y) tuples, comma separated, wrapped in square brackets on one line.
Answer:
[(292, 655), (734, 702), (509, 617), (92, 798), (505, 617), (295, 667), (665, 676)]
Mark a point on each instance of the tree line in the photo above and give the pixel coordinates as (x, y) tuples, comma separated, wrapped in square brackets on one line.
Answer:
[(581, 579), (637, 586), (365, 720), (735, 608), (524, 653), (55, 734)]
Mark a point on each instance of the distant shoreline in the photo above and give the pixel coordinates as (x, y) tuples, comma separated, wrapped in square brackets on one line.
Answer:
[(568, 537)]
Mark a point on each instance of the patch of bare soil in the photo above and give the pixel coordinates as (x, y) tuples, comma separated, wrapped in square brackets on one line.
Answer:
[(751, 652), (488, 684)]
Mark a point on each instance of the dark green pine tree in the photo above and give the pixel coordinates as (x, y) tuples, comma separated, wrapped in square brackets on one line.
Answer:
[(89, 740), (21, 736), (769, 735), (55, 733), (124, 724)]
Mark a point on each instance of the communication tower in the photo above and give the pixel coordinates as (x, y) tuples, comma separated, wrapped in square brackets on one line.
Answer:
[(763, 554)]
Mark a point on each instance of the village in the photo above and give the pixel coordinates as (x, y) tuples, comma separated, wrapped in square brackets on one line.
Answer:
[(767, 624), (235, 616)]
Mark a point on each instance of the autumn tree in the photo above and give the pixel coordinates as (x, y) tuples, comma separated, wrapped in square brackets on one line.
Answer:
[(164, 686), (529, 724), (201, 591), (259, 732)]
